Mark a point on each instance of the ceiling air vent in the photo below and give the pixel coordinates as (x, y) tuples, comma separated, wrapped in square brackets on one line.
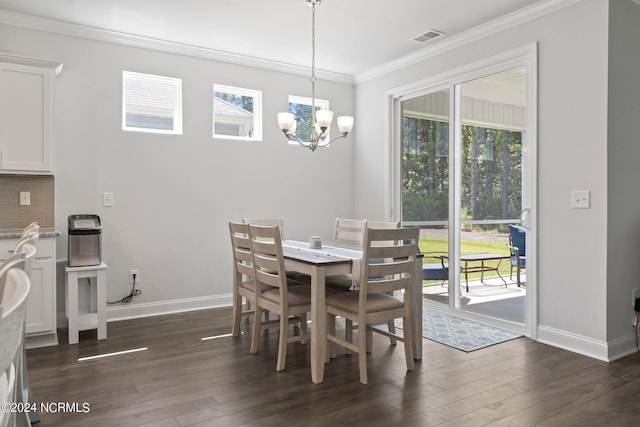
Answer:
[(429, 35)]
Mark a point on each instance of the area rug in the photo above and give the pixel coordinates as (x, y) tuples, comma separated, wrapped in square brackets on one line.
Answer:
[(459, 333)]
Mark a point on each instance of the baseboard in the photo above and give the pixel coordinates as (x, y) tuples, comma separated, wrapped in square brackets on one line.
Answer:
[(622, 347), (572, 342), (133, 311)]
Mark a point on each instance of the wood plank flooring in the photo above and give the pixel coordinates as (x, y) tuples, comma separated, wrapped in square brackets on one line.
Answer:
[(182, 380)]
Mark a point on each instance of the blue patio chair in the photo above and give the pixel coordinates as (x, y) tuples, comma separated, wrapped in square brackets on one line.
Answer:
[(435, 270), (518, 247)]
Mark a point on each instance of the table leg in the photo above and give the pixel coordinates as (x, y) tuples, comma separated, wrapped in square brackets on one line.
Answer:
[(318, 325), (416, 310), (101, 303), (466, 274), (72, 306), (499, 275)]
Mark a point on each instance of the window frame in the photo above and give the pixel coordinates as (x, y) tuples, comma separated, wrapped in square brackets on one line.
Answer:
[(257, 111), (175, 82)]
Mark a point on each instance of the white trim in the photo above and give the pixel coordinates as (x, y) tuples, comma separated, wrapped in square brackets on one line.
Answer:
[(34, 62), (573, 342), (472, 35), (134, 311), (90, 33)]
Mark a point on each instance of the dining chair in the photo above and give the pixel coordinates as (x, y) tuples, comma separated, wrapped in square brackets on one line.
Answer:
[(349, 231), (349, 327), (13, 304), (387, 266), (23, 257), (267, 221), (243, 284), (285, 299)]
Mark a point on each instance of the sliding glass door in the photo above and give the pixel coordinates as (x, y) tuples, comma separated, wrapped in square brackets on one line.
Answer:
[(465, 176)]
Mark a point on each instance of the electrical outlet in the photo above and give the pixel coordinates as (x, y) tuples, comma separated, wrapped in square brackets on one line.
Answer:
[(137, 274)]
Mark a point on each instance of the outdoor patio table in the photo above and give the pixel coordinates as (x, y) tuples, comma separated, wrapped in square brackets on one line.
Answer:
[(480, 257)]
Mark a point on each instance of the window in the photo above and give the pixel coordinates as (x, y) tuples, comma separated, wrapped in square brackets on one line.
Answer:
[(151, 103), (237, 113), (301, 108)]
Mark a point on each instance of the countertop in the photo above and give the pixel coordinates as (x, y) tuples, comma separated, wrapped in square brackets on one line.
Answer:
[(15, 233)]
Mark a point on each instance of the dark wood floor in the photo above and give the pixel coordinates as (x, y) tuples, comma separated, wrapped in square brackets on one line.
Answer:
[(184, 381)]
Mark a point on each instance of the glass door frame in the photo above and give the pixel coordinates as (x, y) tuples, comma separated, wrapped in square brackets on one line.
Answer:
[(523, 57)]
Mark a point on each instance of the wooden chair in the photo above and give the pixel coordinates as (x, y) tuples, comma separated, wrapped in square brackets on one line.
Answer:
[(284, 300), (387, 266), (13, 305), (267, 221), (349, 231), (23, 258), (349, 327), (243, 285)]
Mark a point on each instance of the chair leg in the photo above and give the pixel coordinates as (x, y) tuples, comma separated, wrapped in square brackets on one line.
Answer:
[(331, 330), (392, 329), (348, 334), (362, 353), (303, 326), (283, 341), (257, 326), (407, 334), (237, 315), (518, 274)]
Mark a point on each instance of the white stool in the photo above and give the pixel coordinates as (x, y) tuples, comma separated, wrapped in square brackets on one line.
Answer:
[(97, 318)]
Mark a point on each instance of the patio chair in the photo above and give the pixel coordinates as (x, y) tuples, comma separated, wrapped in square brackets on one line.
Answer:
[(438, 269), (518, 247)]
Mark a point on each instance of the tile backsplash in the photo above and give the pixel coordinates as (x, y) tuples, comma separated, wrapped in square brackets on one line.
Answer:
[(12, 215)]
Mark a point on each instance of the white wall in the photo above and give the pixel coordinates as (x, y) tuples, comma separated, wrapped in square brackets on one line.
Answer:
[(572, 155), (174, 195), (623, 231)]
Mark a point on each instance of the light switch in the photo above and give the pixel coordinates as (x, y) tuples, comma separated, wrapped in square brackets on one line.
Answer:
[(25, 198), (581, 199), (107, 199)]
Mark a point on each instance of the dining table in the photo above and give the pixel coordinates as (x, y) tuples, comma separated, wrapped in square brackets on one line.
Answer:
[(333, 259)]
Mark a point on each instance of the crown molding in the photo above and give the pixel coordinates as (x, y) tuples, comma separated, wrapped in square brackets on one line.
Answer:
[(132, 40), (491, 27)]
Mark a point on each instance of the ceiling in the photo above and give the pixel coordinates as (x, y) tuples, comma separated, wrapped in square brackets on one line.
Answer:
[(352, 36)]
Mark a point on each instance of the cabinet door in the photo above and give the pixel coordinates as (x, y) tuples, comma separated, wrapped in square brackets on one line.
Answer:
[(39, 308), (25, 118)]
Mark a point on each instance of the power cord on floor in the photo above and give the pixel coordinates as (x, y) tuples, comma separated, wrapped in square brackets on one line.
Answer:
[(134, 293)]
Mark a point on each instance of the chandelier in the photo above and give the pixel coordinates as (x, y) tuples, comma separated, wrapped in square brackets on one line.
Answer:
[(321, 119)]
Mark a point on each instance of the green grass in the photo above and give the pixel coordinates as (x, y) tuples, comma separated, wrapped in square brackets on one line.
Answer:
[(441, 245)]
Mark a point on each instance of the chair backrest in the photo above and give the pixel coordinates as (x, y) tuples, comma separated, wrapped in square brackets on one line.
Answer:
[(518, 238), (267, 221), (241, 247), (388, 261), (383, 224), (268, 259), (349, 231), (17, 260), (30, 237), (34, 226), (13, 305)]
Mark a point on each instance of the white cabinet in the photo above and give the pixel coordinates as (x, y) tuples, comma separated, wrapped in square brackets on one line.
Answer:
[(26, 117), (41, 303)]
